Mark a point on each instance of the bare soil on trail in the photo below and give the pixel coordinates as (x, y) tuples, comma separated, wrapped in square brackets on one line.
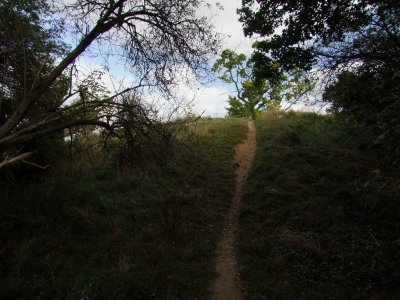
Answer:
[(228, 285)]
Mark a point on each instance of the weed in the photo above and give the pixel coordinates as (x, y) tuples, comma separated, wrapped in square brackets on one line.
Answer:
[(316, 222), (85, 231)]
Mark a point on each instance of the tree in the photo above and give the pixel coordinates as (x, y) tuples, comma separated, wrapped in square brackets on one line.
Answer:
[(254, 95), (372, 99), (157, 38), (336, 34), (294, 88), (250, 95), (356, 43), (28, 49)]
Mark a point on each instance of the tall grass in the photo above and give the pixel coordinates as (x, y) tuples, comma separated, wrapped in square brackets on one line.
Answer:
[(319, 217), (86, 231)]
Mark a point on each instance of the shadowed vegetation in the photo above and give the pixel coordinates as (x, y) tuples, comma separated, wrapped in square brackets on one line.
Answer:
[(320, 215), (86, 231)]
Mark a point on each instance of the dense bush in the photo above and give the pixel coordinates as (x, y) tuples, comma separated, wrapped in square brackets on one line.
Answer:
[(373, 99)]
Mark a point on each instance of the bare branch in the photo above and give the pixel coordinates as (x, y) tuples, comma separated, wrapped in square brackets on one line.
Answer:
[(14, 160), (35, 165)]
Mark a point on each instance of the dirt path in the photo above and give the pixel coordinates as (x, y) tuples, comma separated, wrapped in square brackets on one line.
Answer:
[(227, 285)]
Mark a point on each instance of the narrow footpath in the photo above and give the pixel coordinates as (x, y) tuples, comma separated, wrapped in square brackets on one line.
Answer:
[(228, 285)]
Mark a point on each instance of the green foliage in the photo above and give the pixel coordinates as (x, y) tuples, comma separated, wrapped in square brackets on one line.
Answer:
[(357, 40), (251, 96), (35, 88), (294, 87), (373, 99), (319, 216), (239, 109), (254, 95), (87, 230), (29, 48), (320, 30)]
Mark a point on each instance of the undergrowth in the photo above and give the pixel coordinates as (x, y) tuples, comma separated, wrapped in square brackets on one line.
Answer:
[(83, 231), (320, 217)]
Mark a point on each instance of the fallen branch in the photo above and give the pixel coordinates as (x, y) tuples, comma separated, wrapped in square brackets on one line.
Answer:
[(14, 160), (35, 165)]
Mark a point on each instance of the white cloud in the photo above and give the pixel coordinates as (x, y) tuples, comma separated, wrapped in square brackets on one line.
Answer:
[(226, 21), (204, 100), (212, 101)]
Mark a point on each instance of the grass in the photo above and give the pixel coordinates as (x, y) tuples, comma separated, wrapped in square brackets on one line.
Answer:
[(84, 232), (320, 217)]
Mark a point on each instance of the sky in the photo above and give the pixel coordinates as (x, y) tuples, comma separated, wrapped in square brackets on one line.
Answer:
[(207, 99), (211, 100)]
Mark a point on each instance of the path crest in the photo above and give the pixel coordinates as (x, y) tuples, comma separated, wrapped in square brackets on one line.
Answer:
[(228, 285)]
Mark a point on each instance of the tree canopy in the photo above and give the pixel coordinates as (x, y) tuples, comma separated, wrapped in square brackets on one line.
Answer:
[(155, 39), (336, 34), (355, 43), (252, 95)]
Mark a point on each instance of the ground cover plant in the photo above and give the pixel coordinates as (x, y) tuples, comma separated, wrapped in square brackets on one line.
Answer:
[(320, 214), (84, 231)]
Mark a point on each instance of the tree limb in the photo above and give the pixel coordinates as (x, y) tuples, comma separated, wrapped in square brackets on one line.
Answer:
[(15, 159)]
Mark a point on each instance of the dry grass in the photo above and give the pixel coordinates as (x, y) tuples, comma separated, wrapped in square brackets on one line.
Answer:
[(87, 230)]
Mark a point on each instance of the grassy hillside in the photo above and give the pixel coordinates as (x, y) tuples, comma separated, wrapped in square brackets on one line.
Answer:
[(86, 232), (320, 217)]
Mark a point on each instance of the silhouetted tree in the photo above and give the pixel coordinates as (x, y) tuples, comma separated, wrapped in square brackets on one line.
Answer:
[(357, 43), (334, 34)]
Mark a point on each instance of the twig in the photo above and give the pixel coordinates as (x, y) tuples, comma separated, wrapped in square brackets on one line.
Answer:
[(376, 242), (35, 165), (14, 159)]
